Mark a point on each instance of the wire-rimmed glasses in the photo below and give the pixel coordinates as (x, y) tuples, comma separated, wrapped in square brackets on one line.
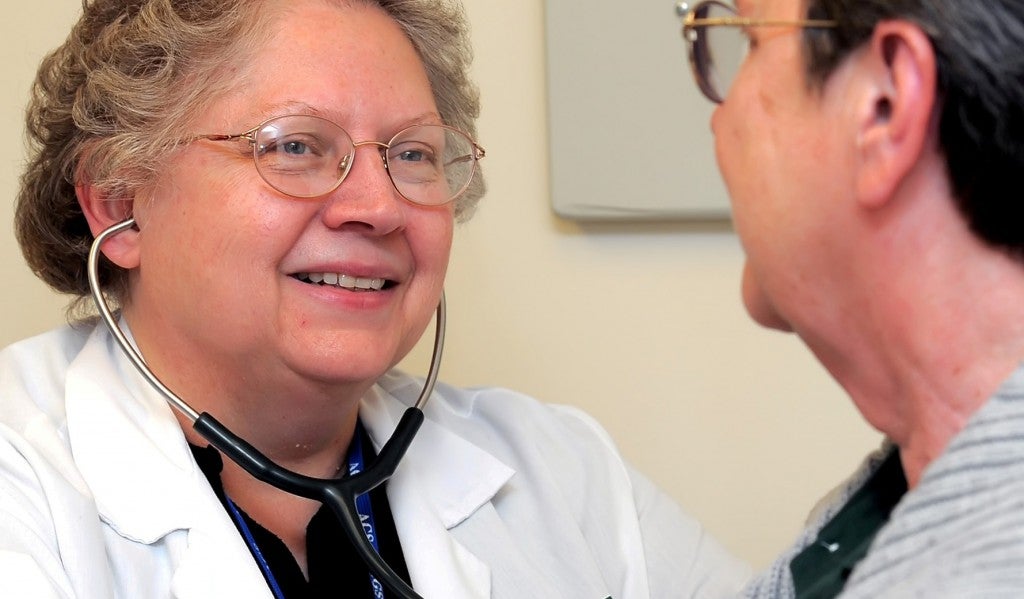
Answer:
[(306, 156), (716, 42)]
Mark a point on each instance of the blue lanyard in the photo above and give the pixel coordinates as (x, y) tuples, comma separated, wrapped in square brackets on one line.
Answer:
[(251, 542), (363, 508)]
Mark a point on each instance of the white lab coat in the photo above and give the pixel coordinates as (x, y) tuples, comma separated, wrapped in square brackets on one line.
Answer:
[(498, 496)]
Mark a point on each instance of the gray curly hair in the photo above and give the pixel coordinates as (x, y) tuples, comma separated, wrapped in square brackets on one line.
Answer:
[(110, 104)]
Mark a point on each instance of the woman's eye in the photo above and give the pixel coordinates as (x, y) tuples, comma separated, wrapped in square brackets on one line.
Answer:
[(294, 147), (301, 145), (411, 156), (413, 152)]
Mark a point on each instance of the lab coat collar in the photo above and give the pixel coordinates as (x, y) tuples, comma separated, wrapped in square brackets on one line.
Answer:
[(127, 444), (442, 480), (133, 455)]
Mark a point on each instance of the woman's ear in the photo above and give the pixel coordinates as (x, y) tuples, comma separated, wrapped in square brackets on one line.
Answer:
[(101, 213), (896, 119)]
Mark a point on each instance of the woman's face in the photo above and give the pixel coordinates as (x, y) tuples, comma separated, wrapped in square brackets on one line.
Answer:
[(218, 294)]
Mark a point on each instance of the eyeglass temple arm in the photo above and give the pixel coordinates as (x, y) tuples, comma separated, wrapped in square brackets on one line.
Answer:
[(747, 22), (249, 136), (688, 14)]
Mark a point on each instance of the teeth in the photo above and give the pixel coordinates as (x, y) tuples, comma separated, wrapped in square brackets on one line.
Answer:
[(342, 280)]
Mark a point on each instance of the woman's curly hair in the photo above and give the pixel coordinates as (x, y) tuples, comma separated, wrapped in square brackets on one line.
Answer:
[(110, 104)]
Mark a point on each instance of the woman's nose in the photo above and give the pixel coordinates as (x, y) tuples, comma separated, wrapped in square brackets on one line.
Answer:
[(367, 197)]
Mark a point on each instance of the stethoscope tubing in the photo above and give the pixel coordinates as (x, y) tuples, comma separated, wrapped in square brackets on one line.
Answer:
[(338, 494)]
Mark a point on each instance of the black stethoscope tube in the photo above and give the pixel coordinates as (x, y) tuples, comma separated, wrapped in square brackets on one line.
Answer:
[(338, 494)]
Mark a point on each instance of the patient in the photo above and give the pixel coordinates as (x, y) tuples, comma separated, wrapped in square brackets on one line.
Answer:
[(872, 151)]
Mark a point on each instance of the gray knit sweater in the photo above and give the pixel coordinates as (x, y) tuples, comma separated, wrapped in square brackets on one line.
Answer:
[(958, 533)]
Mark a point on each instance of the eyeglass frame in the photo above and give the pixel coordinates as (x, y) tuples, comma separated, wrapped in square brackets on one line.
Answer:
[(691, 25), (250, 136)]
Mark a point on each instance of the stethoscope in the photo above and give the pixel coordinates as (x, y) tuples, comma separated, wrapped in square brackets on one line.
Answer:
[(338, 494)]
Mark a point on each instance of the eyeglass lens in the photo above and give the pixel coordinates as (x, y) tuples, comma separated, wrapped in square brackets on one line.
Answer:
[(718, 52), (307, 156)]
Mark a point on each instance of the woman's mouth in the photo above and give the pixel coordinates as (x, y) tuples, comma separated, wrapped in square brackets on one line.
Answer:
[(344, 281)]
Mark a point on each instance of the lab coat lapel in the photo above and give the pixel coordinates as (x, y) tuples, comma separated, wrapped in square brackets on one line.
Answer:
[(442, 480), (212, 568), (134, 457)]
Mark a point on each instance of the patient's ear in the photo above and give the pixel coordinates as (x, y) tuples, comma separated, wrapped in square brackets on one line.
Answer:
[(898, 76), (102, 212)]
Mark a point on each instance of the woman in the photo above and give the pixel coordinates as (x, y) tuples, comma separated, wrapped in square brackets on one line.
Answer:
[(289, 248)]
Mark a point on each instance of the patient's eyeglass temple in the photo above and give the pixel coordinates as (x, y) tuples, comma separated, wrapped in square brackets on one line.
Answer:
[(697, 26)]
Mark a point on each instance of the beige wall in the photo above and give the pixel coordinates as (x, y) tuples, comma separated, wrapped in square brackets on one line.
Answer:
[(641, 325)]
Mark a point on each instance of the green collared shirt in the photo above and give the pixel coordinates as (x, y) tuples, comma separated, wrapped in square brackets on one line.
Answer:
[(821, 569)]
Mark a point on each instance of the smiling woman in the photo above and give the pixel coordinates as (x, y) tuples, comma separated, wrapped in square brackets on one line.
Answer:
[(275, 220)]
